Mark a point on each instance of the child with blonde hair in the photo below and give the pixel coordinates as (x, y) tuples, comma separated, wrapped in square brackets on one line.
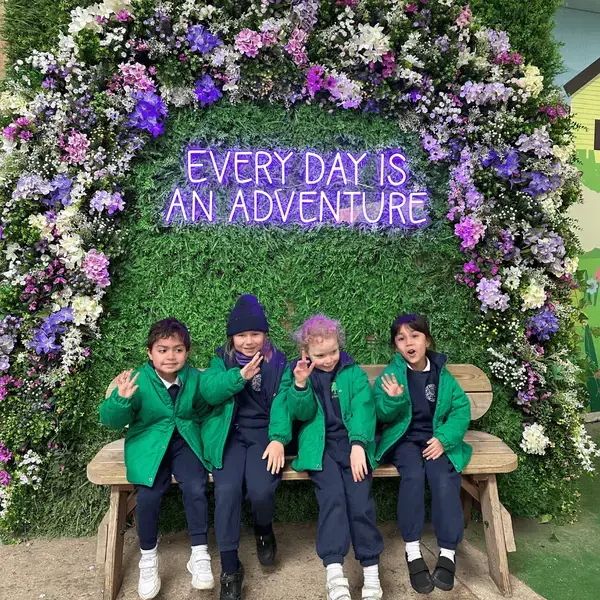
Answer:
[(331, 395)]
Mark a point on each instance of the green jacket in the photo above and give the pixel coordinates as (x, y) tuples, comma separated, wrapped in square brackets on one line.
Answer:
[(219, 385), (152, 417), (358, 415), (450, 420)]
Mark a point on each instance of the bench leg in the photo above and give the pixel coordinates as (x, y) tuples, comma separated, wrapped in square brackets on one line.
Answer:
[(102, 540), (113, 567), (467, 506), (494, 534)]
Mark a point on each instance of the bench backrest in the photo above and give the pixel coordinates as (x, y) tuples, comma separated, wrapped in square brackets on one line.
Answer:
[(471, 379)]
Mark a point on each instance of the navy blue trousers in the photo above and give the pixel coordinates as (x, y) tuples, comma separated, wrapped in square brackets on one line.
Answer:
[(444, 481), (346, 509), (243, 466), (179, 460)]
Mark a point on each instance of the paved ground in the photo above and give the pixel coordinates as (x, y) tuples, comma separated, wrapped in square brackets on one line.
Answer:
[(64, 569)]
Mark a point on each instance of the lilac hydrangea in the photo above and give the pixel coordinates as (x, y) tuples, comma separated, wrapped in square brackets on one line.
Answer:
[(95, 266), (543, 324), (538, 142), (201, 40), (206, 91), (149, 113), (44, 338), (490, 295), (546, 246), (103, 200), (540, 184)]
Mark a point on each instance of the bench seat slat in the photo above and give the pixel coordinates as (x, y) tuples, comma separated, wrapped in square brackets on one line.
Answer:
[(490, 455)]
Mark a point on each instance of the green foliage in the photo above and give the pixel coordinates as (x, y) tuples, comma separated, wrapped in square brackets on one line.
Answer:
[(529, 25)]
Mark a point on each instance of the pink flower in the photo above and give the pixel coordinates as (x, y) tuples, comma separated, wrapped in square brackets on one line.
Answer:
[(248, 42), (76, 147), (122, 16), (597, 274), (470, 231), (268, 38), (314, 79), (464, 18), (5, 477), (95, 266), (135, 77), (296, 46)]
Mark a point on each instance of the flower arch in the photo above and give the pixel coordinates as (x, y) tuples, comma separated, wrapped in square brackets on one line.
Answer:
[(75, 119)]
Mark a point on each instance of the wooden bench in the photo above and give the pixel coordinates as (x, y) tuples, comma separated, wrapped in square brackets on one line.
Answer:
[(490, 457)]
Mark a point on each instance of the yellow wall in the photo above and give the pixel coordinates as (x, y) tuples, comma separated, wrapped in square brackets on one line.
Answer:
[(586, 110)]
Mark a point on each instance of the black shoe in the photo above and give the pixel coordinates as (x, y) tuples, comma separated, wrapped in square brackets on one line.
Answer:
[(420, 578), (231, 584), (443, 574), (266, 548)]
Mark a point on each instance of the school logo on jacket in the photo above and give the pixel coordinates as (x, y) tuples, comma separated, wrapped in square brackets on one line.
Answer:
[(431, 392), (257, 382), (334, 391)]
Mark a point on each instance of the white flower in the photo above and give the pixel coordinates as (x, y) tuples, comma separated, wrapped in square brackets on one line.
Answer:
[(534, 441), (511, 277), (571, 264), (86, 310), (372, 42), (40, 222), (586, 449), (533, 296), (70, 250), (563, 153), (531, 82), (65, 218)]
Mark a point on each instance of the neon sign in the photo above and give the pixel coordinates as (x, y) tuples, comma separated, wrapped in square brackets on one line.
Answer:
[(301, 187)]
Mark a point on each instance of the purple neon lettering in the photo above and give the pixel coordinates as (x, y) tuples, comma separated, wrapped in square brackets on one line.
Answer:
[(398, 169), (411, 202), (176, 201), (209, 214), (258, 219), (191, 154), (240, 201)]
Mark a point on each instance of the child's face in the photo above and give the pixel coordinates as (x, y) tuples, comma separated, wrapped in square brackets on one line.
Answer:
[(249, 342), (324, 353), (412, 345), (168, 355)]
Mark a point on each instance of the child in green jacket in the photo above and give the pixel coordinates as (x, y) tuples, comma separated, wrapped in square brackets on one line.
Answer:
[(162, 405), (245, 435), (332, 396), (425, 416)]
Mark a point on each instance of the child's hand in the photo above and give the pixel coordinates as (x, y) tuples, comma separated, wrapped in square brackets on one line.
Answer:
[(390, 386), (358, 462), (252, 368), (126, 385), (303, 370), (434, 449), (276, 457)]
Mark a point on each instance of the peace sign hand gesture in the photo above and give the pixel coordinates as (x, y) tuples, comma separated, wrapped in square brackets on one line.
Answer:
[(252, 368), (390, 386), (126, 384), (303, 370)]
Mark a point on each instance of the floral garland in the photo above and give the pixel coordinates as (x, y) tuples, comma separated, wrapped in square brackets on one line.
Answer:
[(74, 120)]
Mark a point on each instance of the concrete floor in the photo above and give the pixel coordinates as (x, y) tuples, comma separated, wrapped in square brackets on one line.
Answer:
[(64, 569)]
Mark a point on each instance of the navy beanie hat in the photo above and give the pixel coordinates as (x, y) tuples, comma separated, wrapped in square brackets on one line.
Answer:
[(247, 315)]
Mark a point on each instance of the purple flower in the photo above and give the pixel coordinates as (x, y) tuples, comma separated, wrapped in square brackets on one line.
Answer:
[(540, 183), (314, 79), (470, 231), (103, 200), (510, 166), (538, 142), (76, 147), (547, 247), (4, 363), (5, 453), (201, 40), (543, 324), (206, 91), (4, 478), (296, 46), (149, 113), (44, 338), (490, 295)]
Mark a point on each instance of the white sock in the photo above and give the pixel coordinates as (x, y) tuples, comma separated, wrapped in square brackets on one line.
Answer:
[(152, 552), (448, 553), (201, 549), (334, 571), (372, 576), (413, 550)]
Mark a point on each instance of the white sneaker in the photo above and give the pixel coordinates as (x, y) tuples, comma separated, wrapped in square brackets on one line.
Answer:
[(372, 593), (199, 567), (149, 584), (338, 589)]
